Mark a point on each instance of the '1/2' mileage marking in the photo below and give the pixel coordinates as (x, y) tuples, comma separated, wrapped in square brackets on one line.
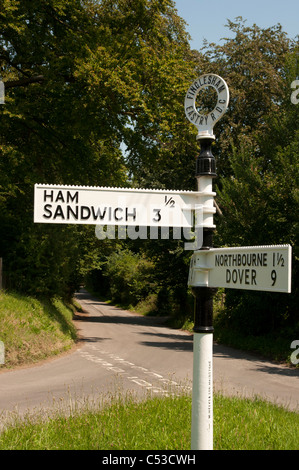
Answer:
[(278, 259), (169, 202)]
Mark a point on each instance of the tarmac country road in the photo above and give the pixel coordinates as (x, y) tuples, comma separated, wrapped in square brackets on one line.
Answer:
[(119, 350)]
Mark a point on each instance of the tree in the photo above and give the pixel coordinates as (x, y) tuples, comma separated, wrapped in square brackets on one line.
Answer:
[(81, 79), (260, 207), (142, 66)]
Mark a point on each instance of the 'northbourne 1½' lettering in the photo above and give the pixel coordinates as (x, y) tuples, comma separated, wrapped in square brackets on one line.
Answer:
[(248, 259)]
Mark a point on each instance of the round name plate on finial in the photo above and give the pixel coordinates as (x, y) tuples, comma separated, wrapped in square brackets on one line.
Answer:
[(206, 122)]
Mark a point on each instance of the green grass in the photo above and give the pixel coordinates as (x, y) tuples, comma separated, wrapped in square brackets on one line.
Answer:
[(157, 424), (32, 329)]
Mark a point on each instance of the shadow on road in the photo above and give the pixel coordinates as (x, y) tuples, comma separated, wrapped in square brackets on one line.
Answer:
[(174, 341), (258, 363)]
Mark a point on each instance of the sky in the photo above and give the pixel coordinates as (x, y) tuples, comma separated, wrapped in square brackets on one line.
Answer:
[(207, 18)]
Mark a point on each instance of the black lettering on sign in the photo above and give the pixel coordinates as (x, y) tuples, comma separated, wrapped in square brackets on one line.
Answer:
[(48, 195), (197, 118), (189, 109), (241, 276), (67, 212), (115, 211), (61, 197), (98, 214), (72, 212), (47, 209), (132, 214), (58, 213), (273, 277), (85, 212), (157, 217), (72, 198), (251, 259), (169, 201)]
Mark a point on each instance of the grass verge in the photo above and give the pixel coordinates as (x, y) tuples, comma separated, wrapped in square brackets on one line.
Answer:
[(32, 329), (157, 424)]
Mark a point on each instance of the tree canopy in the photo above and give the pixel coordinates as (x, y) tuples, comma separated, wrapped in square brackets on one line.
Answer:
[(82, 78)]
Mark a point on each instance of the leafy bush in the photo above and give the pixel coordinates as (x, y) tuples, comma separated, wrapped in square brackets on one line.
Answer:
[(129, 277)]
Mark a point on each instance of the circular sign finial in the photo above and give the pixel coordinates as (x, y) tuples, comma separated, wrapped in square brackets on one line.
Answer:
[(206, 122)]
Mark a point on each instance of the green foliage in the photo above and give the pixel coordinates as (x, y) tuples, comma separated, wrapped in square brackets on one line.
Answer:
[(260, 205), (130, 277), (79, 81)]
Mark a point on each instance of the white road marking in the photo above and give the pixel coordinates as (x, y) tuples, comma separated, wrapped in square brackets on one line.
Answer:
[(136, 379)]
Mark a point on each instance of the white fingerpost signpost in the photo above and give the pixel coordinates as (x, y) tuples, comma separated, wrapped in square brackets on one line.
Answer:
[(256, 268), (263, 268), (202, 392)]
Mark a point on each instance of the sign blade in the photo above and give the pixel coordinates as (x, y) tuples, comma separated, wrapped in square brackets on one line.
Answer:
[(259, 268), (113, 206)]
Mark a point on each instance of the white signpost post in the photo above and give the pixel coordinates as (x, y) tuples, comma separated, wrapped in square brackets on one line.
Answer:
[(202, 391)]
